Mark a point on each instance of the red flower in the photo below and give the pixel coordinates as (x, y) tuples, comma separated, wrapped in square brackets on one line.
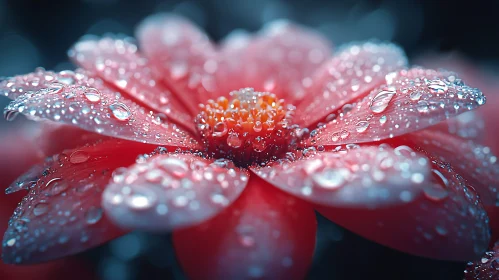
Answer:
[(358, 137), (486, 126)]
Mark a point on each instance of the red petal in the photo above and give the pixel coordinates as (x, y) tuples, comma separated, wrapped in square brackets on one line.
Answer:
[(117, 62), (476, 77), (448, 222), (485, 268), (411, 100), (62, 213), (356, 177), (349, 75), (281, 59), (16, 86), (168, 191), (474, 162), (265, 234), (17, 152), (83, 101), (180, 51)]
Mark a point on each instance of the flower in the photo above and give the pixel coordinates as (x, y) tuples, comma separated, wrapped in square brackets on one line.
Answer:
[(486, 267), (23, 159), (283, 128)]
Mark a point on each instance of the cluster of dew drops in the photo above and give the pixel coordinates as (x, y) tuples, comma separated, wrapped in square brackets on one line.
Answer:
[(78, 98), (428, 94)]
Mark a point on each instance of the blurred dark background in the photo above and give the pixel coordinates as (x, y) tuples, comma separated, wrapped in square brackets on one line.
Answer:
[(38, 33)]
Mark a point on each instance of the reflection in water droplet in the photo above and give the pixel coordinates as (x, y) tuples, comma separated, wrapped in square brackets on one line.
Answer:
[(437, 87), (423, 106), (92, 94), (361, 126), (381, 101), (93, 215), (40, 209), (331, 178), (120, 111), (79, 157)]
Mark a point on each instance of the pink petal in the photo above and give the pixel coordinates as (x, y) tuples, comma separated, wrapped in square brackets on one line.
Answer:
[(118, 62), (351, 74), (485, 268), (168, 191), (81, 100), (476, 163), (410, 100), (447, 222), (352, 177), (16, 86), (62, 214), (180, 52), (476, 77), (281, 58), (17, 152), (265, 234)]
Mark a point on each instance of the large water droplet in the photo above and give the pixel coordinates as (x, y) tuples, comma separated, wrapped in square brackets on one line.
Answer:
[(93, 215), (361, 126), (92, 94), (423, 106), (40, 209), (381, 100), (78, 157), (120, 111), (331, 178), (437, 87)]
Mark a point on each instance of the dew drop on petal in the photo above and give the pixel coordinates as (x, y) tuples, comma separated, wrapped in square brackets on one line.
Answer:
[(362, 126), (93, 215), (120, 111), (437, 87), (78, 157), (331, 178), (381, 101), (92, 94), (40, 209)]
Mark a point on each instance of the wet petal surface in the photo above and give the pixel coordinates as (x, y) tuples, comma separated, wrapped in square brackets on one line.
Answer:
[(485, 268), (476, 163), (167, 191), (352, 176), (351, 74), (79, 99), (180, 52), (62, 214), (448, 222), (265, 234), (410, 100), (281, 58), (118, 62)]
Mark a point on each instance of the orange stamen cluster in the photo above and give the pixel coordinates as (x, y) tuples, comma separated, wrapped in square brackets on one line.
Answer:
[(251, 126)]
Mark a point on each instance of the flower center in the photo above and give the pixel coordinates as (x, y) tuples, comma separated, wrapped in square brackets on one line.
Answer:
[(250, 127)]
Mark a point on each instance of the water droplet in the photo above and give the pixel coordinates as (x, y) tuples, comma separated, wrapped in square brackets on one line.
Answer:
[(423, 106), (382, 119), (78, 157), (40, 209), (415, 95), (220, 129), (234, 141), (140, 201), (11, 242), (361, 126), (331, 178), (435, 193), (92, 94), (381, 100), (120, 111), (93, 215), (437, 87)]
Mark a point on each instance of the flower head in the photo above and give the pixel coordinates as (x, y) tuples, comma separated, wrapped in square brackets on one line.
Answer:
[(254, 134)]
